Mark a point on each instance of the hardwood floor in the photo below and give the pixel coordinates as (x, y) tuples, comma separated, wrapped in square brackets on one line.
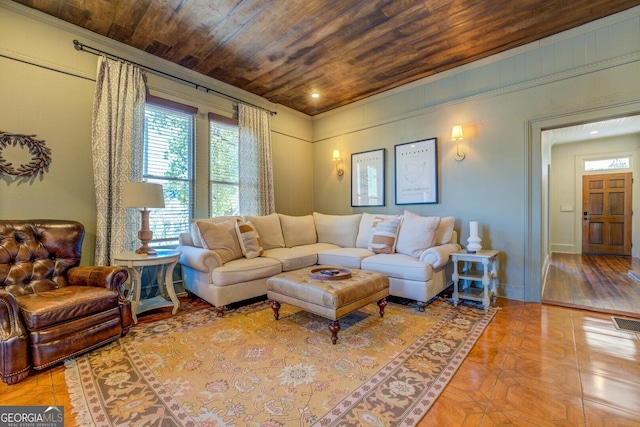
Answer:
[(534, 365), (593, 282)]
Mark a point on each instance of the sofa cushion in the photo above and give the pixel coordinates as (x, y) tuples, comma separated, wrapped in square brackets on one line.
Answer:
[(292, 258), (220, 237), (317, 247), (244, 270), (417, 233), (344, 257), (366, 228), (249, 239), (384, 235), (269, 230), (56, 306), (400, 266), (298, 230), (340, 230), (445, 230)]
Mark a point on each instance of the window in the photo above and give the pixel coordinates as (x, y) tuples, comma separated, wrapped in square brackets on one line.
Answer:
[(224, 170), (168, 160), (606, 164)]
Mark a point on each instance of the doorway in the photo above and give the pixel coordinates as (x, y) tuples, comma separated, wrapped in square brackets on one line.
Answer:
[(590, 247)]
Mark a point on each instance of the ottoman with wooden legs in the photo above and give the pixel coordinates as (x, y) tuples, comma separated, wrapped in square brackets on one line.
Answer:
[(332, 299)]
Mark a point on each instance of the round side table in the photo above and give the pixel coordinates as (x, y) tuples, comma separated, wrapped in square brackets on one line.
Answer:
[(165, 261)]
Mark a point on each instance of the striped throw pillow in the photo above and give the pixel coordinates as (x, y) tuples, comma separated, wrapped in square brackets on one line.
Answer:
[(250, 242), (384, 235)]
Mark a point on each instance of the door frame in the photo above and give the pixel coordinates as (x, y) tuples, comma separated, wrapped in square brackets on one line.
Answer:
[(537, 197)]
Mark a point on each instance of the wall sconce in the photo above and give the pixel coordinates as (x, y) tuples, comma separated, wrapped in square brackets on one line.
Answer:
[(143, 195), (457, 136), (336, 160)]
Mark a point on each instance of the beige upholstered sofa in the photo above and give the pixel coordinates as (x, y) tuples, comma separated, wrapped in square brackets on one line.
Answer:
[(229, 259)]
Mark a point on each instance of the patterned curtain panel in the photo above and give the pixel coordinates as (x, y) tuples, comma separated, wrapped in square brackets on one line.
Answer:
[(117, 150), (256, 168)]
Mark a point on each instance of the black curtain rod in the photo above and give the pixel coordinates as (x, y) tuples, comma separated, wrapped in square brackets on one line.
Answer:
[(84, 48)]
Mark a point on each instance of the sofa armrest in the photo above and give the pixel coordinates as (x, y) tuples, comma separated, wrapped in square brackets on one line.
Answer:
[(14, 355), (10, 321), (438, 256), (110, 277), (199, 259)]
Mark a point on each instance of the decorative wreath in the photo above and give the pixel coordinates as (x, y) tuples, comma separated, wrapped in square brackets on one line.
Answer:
[(40, 155)]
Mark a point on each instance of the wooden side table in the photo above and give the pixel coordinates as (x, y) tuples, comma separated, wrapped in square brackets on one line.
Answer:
[(487, 276), (165, 261)]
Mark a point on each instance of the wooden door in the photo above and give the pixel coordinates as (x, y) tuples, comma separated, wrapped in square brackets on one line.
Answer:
[(606, 209)]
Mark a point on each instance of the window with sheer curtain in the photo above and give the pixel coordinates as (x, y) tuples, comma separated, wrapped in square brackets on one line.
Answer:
[(169, 139), (224, 166)]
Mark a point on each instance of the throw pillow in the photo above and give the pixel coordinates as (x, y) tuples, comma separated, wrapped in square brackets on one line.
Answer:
[(298, 230), (339, 230), (366, 228), (445, 230), (249, 238), (384, 235), (195, 232), (417, 233), (269, 230), (221, 238)]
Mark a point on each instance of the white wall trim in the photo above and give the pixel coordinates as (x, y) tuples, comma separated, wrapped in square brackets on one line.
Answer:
[(504, 90)]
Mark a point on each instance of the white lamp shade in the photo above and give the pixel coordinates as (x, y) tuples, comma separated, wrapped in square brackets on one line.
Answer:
[(336, 155), (456, 133), (142, 195)]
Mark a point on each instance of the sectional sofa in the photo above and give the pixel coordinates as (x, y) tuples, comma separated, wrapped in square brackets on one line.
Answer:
[(229, 259)]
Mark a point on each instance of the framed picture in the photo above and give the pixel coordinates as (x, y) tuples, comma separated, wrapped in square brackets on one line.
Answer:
[(416, 166), (367, 178)]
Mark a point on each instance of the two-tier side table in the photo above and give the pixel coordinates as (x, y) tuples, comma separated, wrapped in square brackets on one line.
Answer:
[(165, 261), (486, 272)]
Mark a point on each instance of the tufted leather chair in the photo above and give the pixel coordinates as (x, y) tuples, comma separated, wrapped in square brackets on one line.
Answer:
[(50, 307)]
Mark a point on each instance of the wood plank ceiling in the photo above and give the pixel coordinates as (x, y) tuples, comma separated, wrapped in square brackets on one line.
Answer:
[(345, 50)]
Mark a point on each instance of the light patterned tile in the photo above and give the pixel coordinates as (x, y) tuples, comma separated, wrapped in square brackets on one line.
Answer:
[(542, 373), (453, 410), (473, 381), (538, 405), (610, 365), (598, 415), (614, 392), (560, 351)]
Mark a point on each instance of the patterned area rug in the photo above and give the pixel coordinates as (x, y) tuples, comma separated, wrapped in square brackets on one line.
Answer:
[(247, 369)]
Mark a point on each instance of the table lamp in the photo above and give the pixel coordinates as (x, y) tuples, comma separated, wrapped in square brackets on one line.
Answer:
[(143, 195)]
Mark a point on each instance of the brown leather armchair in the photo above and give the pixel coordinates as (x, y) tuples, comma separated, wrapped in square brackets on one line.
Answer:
[(50, 307)]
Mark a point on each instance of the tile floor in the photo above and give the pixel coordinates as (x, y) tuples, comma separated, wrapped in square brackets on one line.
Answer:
[(534, 365)]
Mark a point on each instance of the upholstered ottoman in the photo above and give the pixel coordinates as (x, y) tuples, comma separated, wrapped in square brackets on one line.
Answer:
[(332, 299)]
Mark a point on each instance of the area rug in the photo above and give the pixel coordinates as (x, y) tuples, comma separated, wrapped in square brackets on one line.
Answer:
[(247, 369)]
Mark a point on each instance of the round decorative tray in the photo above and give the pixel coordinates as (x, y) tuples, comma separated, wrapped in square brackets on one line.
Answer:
[(330, 273)]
